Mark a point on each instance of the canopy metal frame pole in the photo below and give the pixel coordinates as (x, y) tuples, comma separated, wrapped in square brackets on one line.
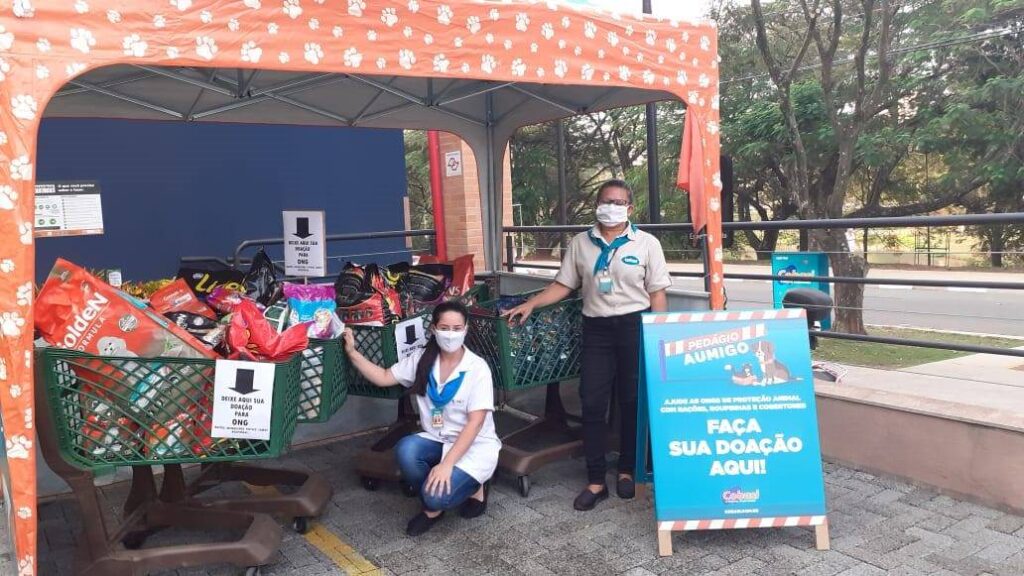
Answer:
[(563, 217), (304, 106), (568, 108), (108, 84), (126, 98), (653, 178), (287, 89), (492, 207), (474, 92)]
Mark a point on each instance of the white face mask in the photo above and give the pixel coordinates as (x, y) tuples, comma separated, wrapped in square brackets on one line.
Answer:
[(450, 340), (612, 214)]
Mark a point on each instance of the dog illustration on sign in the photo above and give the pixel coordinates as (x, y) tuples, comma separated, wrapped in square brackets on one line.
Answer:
[(772, 371)]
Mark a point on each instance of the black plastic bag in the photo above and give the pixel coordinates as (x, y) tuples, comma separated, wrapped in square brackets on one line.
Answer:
[(261, 281), (352, 287)]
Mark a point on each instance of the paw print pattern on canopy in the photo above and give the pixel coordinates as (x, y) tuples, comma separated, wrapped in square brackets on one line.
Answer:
[(45, 43)]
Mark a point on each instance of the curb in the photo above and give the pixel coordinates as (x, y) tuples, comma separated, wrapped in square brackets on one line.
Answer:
[(939, 331)]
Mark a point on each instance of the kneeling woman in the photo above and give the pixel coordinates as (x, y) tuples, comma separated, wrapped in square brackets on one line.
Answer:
[(457, 452)]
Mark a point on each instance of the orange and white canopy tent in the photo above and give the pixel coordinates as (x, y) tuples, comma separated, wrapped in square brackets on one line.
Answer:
[(479, 69)]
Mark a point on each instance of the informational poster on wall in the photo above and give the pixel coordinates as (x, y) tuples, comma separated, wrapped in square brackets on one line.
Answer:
[(68, 209), (305, 252), (243, 400), (799, 265), (733, 425)]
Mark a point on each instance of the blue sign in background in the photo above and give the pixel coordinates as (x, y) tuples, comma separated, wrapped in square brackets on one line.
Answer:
[(727, 383), (799, 264)]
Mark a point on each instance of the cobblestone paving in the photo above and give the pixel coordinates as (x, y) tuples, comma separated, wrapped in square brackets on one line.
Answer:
[(878, 525)]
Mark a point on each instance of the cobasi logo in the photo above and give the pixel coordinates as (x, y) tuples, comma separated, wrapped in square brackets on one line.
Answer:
[(631, 260), (737, 495)]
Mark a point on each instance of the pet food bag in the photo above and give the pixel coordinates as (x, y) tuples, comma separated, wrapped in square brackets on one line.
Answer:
[(463, 275), (178, 297), (203, 279), (251, 337), (77, 311), (261, 281), (366, 297), (224, 299)]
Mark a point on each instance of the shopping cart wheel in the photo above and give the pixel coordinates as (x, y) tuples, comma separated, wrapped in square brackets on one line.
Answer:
[(369, 483), (301, 524), (409, 490), (134, 540), (524, 486), (253, 571)]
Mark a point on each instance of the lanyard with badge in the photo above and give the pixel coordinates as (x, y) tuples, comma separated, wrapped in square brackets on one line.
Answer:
[(440, 398), (602, 267)]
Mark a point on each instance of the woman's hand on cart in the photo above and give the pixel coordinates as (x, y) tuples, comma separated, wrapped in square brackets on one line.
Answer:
[(348, 339), (519, 314)]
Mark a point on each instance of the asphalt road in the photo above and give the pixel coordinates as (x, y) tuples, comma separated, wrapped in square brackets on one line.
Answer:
[(989, 311)]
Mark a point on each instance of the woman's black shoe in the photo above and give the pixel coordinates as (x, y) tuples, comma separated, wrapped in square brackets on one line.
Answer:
[(421, 523), (472, 507), (587, 499), (626, 488)]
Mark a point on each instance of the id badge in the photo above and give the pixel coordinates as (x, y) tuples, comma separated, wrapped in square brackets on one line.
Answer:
[(437, 418), (604, 284)]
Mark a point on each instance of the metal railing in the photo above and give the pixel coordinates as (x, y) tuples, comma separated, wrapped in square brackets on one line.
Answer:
[(823, 224), (236, 259)]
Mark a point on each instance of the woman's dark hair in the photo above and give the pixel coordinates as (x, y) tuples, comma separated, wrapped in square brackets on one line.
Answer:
[(432, 351)]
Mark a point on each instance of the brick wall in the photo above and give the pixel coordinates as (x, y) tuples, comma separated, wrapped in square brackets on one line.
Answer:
[(462, 217)]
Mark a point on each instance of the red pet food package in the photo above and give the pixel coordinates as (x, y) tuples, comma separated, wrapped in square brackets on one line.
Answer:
[(251, 337), (463, 274), (224, 299), (178, 297), (366, 297), (78, 311)]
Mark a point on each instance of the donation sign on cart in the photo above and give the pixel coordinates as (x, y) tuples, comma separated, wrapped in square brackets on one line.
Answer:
[(243, 400), (733, 425), (304, 252)]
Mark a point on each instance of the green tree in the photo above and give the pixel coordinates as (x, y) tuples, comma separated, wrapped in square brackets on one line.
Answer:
[(417, 174), (835, 117), (599, 146)]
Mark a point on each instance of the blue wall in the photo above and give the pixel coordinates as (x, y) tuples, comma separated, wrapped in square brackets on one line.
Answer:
[(175, 189)]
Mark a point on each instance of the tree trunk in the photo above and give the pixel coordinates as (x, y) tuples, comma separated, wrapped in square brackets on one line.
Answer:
[(996, 245), (768, 243), (848, 298), (547, 245)]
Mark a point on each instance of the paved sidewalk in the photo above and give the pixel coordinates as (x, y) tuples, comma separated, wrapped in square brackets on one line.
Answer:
[(879, 526)]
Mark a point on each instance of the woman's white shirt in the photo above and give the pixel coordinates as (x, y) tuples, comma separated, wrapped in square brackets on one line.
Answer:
[(475, 393)]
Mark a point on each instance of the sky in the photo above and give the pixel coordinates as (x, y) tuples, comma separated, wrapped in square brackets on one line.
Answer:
[(667, 8)]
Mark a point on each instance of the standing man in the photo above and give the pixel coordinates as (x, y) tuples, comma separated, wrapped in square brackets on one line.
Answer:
[(621, 273)]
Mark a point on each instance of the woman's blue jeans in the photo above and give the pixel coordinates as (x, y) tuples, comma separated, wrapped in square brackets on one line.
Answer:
[(416, 456)]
